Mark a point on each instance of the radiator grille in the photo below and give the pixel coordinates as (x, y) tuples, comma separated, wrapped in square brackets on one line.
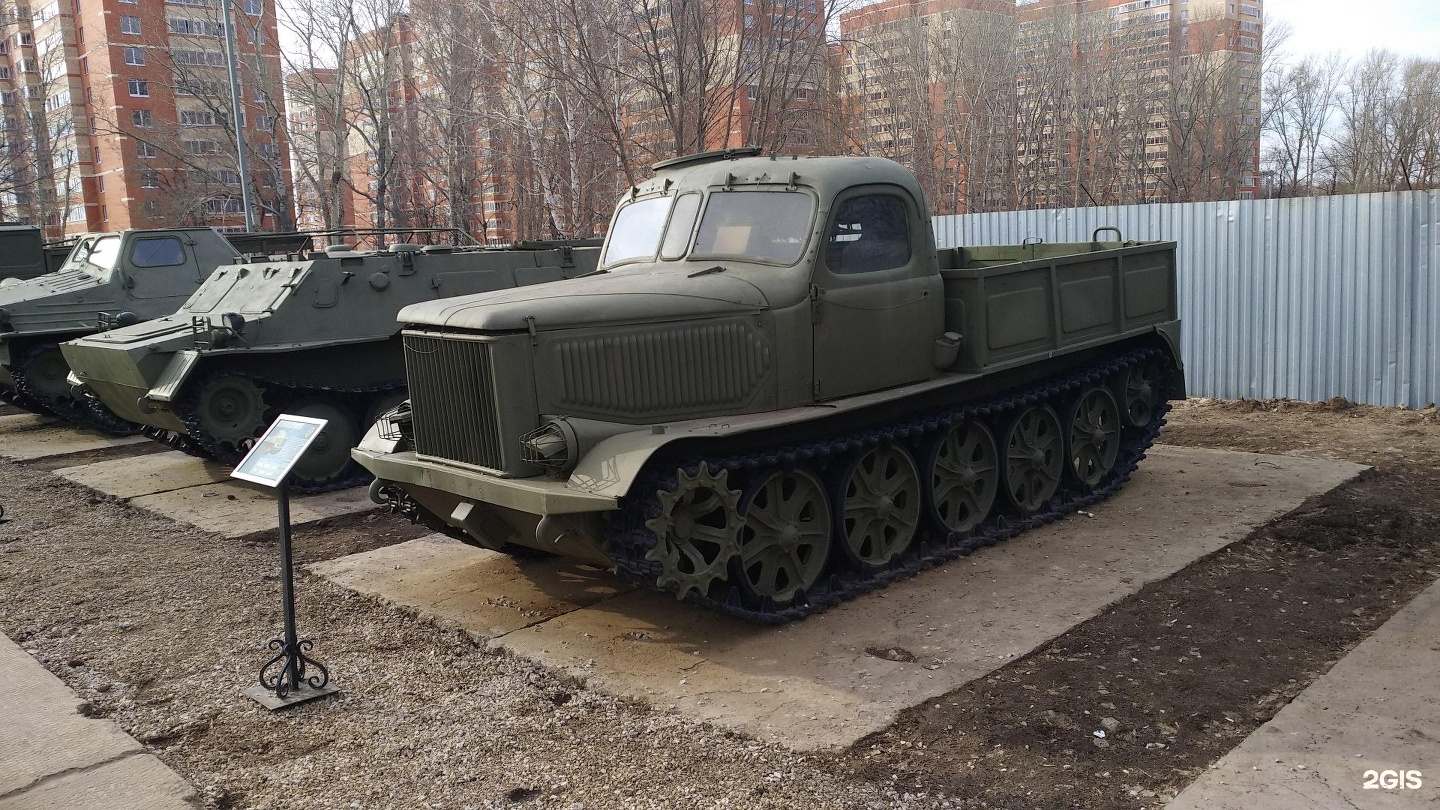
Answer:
[(452, 397)]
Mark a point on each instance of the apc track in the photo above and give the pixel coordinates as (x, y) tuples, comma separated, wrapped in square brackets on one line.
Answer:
[(635, 548), (85, 411), (356, 404)]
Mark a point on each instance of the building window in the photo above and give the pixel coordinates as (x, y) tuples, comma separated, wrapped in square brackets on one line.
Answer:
[(197, 118), (130, 25), (252, 7), (4, 71), (142, 118), (144, 149), (149, 178), (139, 88), (100, 184), (134, 56), (23, 38)]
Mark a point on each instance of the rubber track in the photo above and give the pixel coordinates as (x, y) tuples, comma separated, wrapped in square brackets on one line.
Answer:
[(629, 540), (223, 453)]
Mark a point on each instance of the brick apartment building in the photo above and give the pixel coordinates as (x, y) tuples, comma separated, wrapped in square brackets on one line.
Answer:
[(115, 114)]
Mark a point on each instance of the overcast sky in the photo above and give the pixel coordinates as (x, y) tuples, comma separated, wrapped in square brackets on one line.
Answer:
[(1408, 27)]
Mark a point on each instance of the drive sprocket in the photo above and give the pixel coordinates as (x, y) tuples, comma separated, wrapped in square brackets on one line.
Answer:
[(697, 531)]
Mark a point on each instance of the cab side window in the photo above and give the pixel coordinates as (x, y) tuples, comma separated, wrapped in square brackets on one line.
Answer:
[(869, 234), (165, 251)]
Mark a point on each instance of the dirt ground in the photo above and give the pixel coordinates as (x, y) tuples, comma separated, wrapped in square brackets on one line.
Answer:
[(159, 627)]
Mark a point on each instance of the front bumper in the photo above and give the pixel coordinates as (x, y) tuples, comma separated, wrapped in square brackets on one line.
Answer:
[(533, 496)]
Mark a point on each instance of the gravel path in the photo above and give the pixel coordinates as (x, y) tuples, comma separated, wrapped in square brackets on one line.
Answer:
[(160, 626)]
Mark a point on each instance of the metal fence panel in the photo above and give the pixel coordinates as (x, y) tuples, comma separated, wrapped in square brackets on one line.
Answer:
[(1303, 298)]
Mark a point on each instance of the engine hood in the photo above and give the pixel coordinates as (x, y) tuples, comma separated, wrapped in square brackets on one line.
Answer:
[(628, 297), (64, 283), (67, 300)]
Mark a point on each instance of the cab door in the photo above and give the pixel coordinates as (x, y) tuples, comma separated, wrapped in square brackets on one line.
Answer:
[(161, 267), (878, 302)]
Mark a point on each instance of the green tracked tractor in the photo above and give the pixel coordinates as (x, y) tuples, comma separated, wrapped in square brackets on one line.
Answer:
[(777, 394), (313, 335)]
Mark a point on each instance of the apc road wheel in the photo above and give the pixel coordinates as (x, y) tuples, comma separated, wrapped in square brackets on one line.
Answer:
[(231, 409), (43, 379), (879, 510), (964, 477), (1094, 436), (785, 539), (697, 532), (383, 403), (1142, 392), (1034, 459), (327, 461)]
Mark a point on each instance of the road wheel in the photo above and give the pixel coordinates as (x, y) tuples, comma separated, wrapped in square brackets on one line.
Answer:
[(1034, 459)]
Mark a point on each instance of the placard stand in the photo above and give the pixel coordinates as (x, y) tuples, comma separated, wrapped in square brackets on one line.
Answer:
[(290, 677)]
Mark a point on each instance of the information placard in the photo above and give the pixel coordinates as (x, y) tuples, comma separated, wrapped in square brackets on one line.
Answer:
[(272, 458)]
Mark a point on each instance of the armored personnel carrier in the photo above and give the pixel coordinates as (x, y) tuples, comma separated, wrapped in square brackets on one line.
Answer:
[(126, 277), (24, 253), (777, 393), (314, 336)]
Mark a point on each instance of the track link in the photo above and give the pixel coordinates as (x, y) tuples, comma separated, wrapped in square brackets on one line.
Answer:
[(630, 540)]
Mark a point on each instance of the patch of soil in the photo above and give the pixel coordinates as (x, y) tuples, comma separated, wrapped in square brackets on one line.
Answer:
[(1129, 707)]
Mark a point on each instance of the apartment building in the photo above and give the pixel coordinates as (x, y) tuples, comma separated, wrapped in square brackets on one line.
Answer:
[(116, 114), (1001, 104)]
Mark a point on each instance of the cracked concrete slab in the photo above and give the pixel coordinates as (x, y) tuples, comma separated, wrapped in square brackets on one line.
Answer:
[(487, 592), (53, 756), (62, 440), (1375, 710), (828, 680), (146, 475), (233, 509)]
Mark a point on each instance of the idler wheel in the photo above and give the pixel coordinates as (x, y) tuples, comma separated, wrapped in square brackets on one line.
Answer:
[(964, 476), (1142, 392), (327, 461), (879, 509), (785, 540), (1094, 436), (697, 531), (1034, 459)]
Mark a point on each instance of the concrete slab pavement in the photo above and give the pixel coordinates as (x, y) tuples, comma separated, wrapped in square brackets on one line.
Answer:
[(1376, 711), (51, 756), (826, 682), (15, 422), (45, 442), (233, 509), (147, 475)]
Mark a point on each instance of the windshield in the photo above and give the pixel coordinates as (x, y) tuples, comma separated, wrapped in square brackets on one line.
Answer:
[(637, 230), (765, 226), (95, 255)]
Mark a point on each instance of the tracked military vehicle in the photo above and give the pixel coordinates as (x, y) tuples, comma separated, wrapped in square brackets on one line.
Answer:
[(119, 278), (777, 393), (314, 336)]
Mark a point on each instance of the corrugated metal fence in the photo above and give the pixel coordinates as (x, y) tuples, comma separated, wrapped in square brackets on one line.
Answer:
[(1305, 298)]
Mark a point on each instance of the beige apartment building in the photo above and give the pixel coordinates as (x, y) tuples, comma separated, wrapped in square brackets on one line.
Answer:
[(1001, 104)]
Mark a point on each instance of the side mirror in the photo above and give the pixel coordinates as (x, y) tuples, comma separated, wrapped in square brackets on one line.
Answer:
[(129, 282)]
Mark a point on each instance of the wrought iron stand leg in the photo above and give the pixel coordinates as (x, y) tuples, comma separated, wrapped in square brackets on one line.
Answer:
[(290, 649)]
